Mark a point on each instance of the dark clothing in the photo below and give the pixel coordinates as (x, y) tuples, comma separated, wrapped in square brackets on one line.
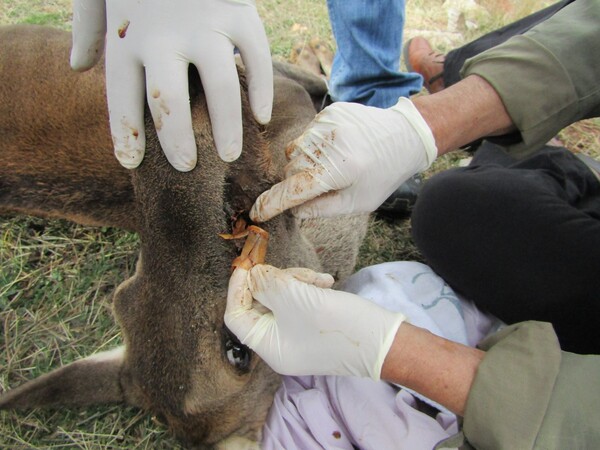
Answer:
[(521, 238), (547, 77), (518, 231), (455, 59)]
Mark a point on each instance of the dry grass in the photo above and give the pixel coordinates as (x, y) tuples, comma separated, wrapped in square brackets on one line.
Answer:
[(56, 278)]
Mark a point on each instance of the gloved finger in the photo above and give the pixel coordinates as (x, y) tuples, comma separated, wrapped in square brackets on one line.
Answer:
[(281, 292), (291, 192), (89, 31), (301, 146), (301, 163), (259, 72), (222, 89), (267, 283), (341, 202), (305, 275), (304, 146), (169, 101), (240, 315), (311, 151), (319, 137), (330, 204), (125, 95)]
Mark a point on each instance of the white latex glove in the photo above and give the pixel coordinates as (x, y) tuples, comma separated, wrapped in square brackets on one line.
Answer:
[(150, 44), (300, 327), (359, 155)]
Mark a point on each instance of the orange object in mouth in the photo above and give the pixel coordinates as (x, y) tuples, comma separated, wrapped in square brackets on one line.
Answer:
[(240, 230), (254, 250)]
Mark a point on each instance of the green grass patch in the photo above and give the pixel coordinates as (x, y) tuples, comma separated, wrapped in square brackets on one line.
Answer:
[(56, 13), (53, 19)]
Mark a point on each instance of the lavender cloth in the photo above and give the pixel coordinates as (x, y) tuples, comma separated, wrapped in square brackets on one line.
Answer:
[(345, 412)]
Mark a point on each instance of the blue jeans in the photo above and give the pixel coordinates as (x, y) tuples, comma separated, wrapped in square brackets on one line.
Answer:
[(366, 65)]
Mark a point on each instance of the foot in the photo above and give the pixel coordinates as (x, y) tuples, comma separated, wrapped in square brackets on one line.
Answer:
[(419, 57)]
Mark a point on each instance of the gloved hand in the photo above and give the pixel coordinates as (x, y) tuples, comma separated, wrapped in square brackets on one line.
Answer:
[(300, 327), (157, 40), (359, 155)]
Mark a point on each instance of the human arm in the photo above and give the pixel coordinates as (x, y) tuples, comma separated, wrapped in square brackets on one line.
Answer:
[(359, 155), (149, 46), (532, 85), (547, 77), (463, 113), (519, 391), (301, 327), (529, 394), (437, 368)]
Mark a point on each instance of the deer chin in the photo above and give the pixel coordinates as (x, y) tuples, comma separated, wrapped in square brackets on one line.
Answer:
[(221, 411), (262, 384), (237, 418)]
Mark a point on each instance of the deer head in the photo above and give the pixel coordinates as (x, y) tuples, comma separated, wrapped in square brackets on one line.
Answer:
[(178, 362)]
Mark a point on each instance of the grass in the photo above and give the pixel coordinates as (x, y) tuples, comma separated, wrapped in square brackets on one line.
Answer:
[(56, 278), (56, 13), (43, 262)]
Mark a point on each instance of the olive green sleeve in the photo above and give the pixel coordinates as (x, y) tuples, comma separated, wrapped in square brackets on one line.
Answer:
[(528, 394), (548, 77)]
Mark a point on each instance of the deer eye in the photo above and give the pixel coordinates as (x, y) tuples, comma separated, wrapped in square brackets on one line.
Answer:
[(237, 353)]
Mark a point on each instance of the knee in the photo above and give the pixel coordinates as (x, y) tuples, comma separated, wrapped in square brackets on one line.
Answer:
[(445, 205)]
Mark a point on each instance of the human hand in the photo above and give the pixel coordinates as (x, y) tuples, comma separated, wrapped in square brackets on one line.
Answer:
[(149, 45), (299, 326), (357, 155)]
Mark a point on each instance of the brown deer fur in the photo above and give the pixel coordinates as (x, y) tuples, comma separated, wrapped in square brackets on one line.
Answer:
[(56, 161)]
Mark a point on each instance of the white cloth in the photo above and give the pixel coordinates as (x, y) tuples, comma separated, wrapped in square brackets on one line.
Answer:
[(341, 412)]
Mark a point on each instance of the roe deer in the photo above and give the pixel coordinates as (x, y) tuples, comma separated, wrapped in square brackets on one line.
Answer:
[(56, 160)]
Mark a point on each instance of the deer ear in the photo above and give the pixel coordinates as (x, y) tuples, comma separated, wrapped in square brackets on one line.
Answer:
[(89, 381)]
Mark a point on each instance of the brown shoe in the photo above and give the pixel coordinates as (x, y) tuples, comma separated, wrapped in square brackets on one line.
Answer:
[(419, 57)]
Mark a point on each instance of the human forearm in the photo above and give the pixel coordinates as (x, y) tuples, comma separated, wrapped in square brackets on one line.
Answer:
[(309, 329), (464, 112), (538, 109), (441, 370), (547, 79)]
